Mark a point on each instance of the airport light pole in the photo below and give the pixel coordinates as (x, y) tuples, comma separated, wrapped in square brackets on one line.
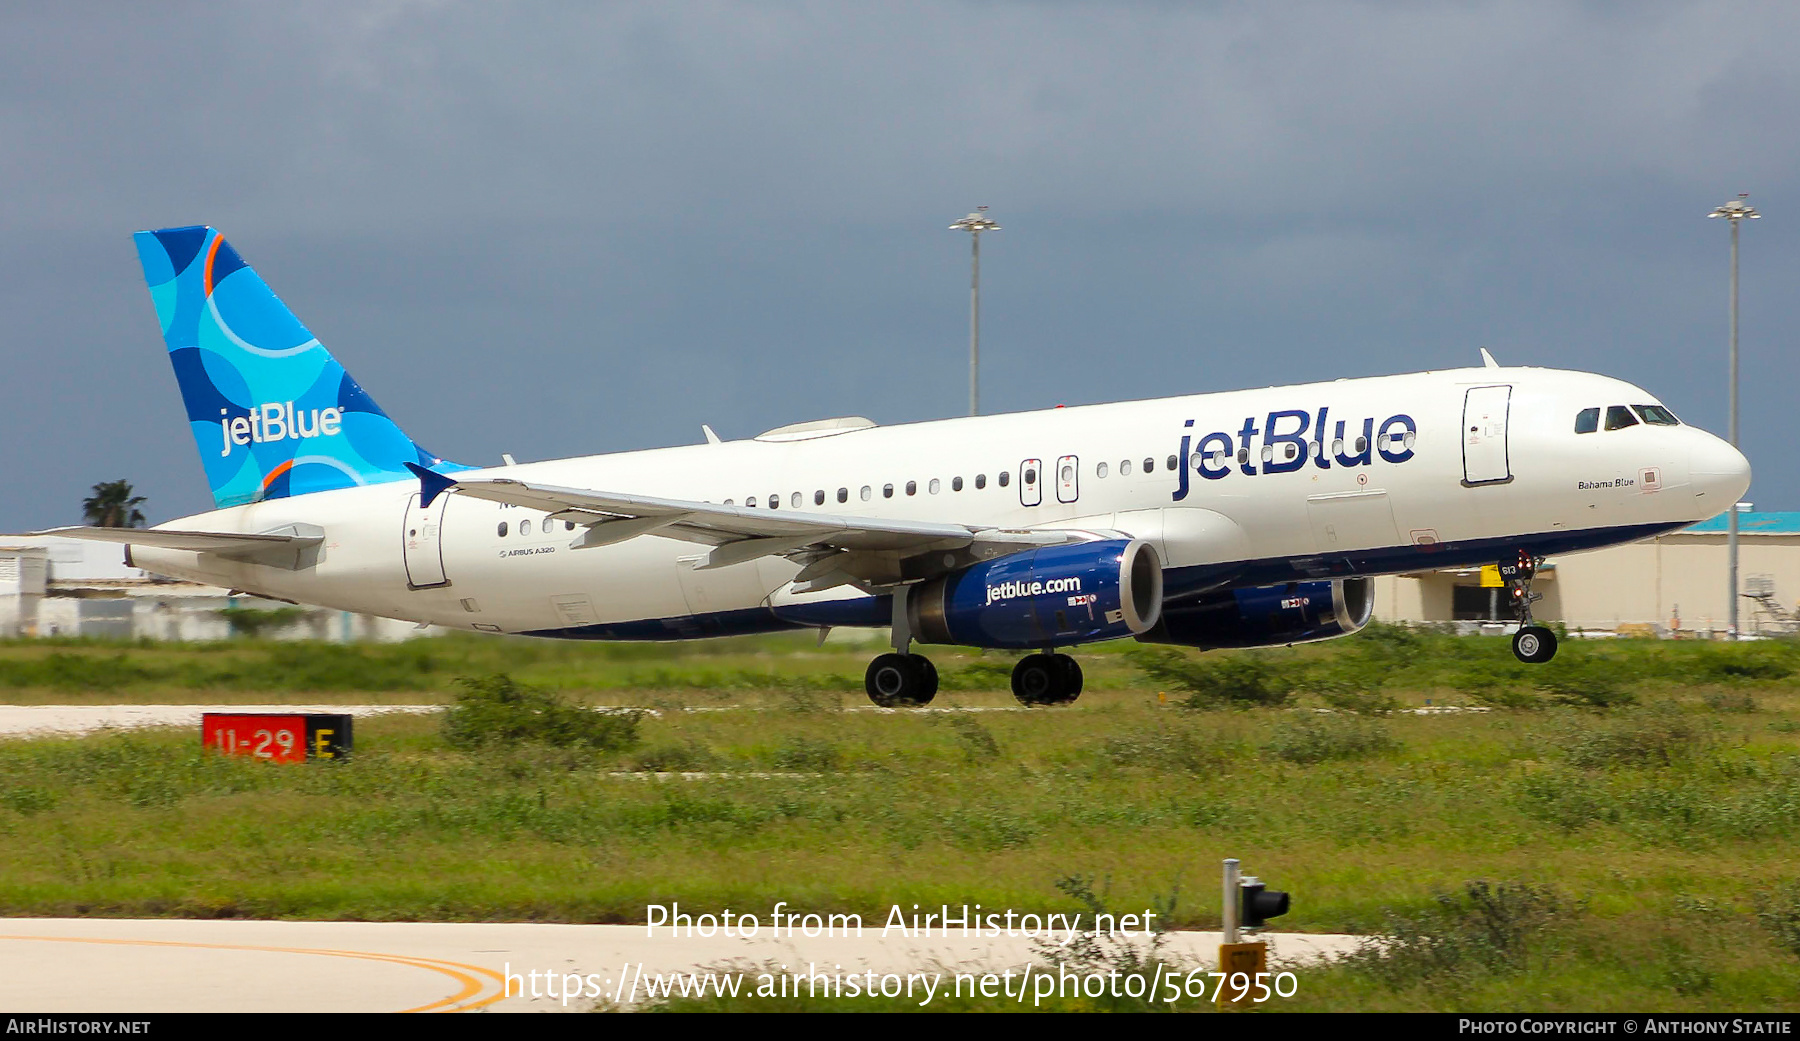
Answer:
[(976, 223), (1734, 211)]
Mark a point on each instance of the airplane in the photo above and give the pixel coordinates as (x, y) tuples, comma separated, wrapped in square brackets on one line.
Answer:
[(1222, 520)]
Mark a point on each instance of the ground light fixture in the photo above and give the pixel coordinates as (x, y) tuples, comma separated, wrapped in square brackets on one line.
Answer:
[(975, 223), (1735, 211)]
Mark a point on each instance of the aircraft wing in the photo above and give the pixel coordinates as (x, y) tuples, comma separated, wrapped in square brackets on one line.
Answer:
[(836, 549)]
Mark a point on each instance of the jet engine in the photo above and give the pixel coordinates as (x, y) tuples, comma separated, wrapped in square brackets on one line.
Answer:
[(1264, 616), (1058, 595)]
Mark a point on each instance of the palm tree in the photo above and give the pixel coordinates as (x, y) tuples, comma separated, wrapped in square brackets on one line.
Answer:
[(113, 506)]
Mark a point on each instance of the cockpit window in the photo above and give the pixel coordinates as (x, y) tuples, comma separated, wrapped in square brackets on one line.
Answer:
[(1656, 415), (1587, 421), (1619, 417)]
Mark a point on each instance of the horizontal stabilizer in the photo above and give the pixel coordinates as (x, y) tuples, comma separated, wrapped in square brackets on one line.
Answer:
[(225, 543)]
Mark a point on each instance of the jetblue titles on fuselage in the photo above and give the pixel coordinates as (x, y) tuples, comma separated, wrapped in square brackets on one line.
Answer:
[(1285, 445)]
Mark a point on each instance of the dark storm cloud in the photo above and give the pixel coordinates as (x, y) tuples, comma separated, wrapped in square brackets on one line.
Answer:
[(556, 230)]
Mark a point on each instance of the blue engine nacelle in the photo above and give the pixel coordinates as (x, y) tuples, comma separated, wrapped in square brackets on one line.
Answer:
[(1060, 595), (1263, 616)]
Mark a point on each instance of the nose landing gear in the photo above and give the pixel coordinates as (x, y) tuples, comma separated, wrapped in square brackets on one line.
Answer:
[(1532, 644)]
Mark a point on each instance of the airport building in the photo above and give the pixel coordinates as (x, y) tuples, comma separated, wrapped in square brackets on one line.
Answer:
[(1670, 585), (52, 586)]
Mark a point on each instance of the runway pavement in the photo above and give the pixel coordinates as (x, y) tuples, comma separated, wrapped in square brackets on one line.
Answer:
[(75, 720), (173, 965)]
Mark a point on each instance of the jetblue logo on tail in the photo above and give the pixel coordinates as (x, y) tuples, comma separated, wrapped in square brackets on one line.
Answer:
[(277, 421), (273, 413)]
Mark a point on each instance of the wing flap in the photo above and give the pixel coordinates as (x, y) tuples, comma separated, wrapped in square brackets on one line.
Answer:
[(713, 524), (866, 551)]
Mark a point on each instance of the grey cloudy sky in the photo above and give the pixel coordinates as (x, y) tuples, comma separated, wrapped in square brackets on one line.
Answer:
[(556, 230)]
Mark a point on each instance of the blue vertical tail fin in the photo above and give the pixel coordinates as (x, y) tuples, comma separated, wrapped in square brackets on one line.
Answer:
[(272, 412)]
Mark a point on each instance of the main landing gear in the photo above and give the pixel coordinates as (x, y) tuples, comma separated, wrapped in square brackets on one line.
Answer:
[(900, 679), (1046, 679), (905, 680), (1532, 644)]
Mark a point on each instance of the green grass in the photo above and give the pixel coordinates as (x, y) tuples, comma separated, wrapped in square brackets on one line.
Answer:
[(1648, 850)]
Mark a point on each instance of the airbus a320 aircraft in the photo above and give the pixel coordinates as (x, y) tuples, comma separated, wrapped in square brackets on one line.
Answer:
[(1242, 519)]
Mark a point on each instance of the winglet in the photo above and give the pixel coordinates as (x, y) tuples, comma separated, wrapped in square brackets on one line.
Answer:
[(431, 484), (1488, 359), (711, 438)]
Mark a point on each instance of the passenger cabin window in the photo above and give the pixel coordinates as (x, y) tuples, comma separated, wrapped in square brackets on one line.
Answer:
[(980, 481), (912, 487), (502, 529), (843, 495), (1656, 415), (794, 499), (956, 484), (1618, 417), (819, 497), (1005, 478), (1174, 464), (1100, 471), (866, 492), (1587, 421), (525, 526), (774, 501), (1124, 468), (887, 491), (1149, 466), (933, 486)]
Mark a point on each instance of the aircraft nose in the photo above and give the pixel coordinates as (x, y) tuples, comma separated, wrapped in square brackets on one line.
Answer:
[(1719, 472)]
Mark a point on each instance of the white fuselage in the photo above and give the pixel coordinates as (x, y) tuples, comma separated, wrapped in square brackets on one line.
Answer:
[(1459, 472)]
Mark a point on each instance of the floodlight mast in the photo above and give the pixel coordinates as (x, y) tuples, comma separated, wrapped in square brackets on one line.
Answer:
[(1735, 211), (975, 223)]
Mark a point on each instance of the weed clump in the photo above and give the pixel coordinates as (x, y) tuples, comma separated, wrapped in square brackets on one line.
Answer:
[(1487, 929), (1097, 952), (1588, 683), (1315, 738), (61, 671), (814, 755), (1494, 692), (1659, 736), (676, 758), (1779, 912), (1354, 694), (978, 744), (1728, 701), (494, 710), (1236, 680), (1168, 748)]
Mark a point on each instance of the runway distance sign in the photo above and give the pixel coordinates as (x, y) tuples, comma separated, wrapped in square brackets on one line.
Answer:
[(277, 737)]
